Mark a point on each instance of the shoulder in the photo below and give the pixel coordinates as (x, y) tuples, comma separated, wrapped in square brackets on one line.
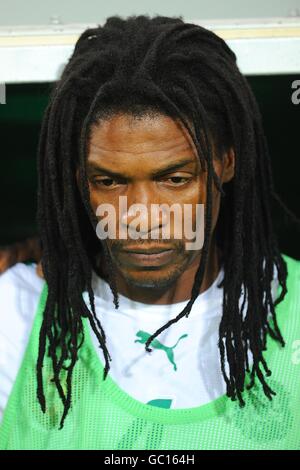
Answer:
[(288, 309), (291, 261), (292, 282), (21, 275), (20, 289), (293, 272)]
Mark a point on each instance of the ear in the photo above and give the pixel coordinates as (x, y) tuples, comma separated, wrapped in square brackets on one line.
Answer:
[(228, 165)]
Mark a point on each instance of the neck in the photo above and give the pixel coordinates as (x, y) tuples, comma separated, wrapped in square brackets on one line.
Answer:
[(180, 291)]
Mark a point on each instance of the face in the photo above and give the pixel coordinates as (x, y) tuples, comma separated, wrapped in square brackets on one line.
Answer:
[(150, 160)]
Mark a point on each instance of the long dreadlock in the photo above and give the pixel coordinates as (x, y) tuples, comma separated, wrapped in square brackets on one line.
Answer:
[(137, 66)]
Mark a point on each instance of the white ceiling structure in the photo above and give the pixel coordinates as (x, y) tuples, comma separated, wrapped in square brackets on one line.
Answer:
[(38, 53)]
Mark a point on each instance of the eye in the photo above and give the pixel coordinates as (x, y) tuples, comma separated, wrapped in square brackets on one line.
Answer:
[(177, 180), (107, 182)]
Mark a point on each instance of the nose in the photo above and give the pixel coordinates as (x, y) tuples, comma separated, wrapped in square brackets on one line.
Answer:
[(136, 215)]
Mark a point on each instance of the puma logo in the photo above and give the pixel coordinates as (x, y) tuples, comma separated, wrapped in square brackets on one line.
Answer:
[(143, 336)]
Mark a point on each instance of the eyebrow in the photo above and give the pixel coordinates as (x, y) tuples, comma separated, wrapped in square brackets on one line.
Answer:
[(162, 171)]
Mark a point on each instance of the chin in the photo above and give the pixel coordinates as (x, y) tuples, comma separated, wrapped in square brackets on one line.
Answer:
[(152, 279), (150, 283)]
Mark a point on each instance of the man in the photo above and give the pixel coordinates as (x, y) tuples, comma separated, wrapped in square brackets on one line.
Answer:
[(153, 110)]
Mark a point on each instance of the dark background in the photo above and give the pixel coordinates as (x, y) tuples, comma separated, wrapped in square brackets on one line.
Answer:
[(20, 120)]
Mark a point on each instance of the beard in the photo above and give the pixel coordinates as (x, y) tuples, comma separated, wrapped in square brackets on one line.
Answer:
[(161, 282), (152, 277)]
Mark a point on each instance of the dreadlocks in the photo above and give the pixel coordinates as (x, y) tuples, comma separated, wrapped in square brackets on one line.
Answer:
[(141, 65)]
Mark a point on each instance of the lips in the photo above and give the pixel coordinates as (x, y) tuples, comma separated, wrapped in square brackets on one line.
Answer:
[(150, 257), (149, 251)]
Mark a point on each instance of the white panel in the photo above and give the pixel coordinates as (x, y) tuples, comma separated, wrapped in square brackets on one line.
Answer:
[(35, 12), (39, 54)]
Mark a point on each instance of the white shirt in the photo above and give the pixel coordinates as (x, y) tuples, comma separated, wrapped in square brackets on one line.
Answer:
[(185, 371)]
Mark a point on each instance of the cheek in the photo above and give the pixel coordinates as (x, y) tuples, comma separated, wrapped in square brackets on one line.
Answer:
[(97, 198), (200, 196), (195, 194), (94, 199), (215, 207)]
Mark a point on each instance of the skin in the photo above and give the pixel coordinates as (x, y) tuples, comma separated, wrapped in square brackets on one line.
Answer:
[(136, 149)]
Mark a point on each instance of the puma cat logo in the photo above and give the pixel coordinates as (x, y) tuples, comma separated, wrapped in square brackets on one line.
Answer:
[(143, 336)]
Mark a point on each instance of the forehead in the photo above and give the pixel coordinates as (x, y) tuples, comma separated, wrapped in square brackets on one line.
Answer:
[(123, 136)]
